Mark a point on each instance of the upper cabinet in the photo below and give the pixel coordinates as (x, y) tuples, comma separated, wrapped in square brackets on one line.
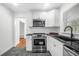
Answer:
[(39, 15), (71, 18), (51, 17)]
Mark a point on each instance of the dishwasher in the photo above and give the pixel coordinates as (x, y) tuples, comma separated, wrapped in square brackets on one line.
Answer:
[(69, 52)]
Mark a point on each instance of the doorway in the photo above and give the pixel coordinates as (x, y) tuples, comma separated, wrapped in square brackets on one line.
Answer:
[(22, 40)]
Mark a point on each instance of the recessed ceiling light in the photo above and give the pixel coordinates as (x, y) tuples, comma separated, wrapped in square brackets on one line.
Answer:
[(15, 4)]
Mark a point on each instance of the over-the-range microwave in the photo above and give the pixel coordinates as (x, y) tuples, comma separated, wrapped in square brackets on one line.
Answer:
[(38, 23)]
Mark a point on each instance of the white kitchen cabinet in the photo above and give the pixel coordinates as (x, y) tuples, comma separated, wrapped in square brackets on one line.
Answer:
[(58, 48), (29, 43), (53, 18), (50, 18), (54, 46), (50, 44), (39, 15)]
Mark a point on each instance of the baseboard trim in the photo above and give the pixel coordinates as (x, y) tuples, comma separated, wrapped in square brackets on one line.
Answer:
[(6, 50)]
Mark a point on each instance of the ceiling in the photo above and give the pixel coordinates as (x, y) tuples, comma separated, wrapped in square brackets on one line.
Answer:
[(23, 7)]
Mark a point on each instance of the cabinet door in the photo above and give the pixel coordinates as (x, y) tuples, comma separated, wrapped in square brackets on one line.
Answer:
[(50, 18), (29, 43), (58, 48), (50, 43), (53, 18), (52, 49), (54, 46)]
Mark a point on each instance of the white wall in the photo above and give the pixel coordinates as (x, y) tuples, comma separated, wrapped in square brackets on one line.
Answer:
[(6, 29)]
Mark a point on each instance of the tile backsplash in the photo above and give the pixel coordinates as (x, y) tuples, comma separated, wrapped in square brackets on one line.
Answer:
[(44, 30)]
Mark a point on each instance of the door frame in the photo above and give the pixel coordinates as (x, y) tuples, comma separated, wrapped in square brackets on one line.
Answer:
[(17, 29)]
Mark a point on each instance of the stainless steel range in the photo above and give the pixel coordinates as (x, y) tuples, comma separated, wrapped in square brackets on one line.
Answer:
[(39, 42)]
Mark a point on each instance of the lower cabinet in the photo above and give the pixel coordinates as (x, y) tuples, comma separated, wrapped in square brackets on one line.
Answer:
[(54, 46), (29, 43), (58, 48)]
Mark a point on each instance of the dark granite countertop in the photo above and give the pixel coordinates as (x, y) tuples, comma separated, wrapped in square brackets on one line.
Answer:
[(35, 34), (29, 34), (61, 40), (66, 38), (54, 36)]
